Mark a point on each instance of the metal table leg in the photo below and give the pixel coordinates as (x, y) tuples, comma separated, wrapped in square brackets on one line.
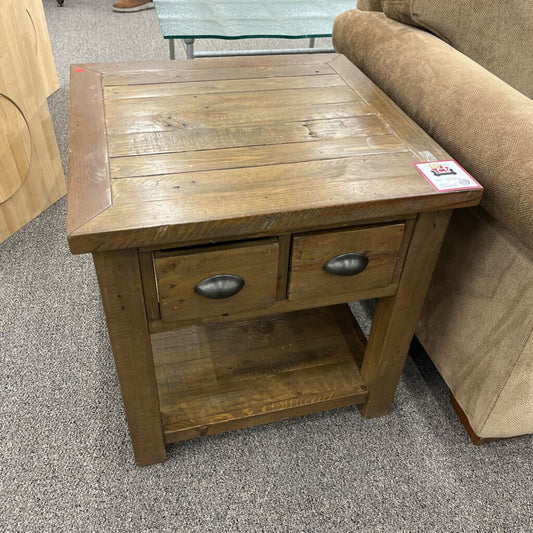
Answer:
[(189, 48), (172, 48)]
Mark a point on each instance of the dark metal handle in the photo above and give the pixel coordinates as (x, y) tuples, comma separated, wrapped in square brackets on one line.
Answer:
[(219, 286), (348, 264)]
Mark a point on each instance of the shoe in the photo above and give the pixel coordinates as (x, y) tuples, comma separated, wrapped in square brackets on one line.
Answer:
[(130, 6)]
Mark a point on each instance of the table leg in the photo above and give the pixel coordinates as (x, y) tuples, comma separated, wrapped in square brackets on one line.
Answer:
[(172, 48), (396, 316), (121, 288), (312, 42), (189, 48)]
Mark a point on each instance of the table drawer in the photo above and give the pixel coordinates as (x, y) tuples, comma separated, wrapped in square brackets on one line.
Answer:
[(344, 262), (216, 280)]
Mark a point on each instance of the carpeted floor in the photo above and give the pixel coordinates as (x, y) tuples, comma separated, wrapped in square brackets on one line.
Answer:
[(65, 457)]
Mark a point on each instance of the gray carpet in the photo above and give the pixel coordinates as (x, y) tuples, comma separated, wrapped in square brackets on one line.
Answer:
[(65, 456)]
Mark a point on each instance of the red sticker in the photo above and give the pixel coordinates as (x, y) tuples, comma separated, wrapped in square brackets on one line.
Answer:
[(79, 70)]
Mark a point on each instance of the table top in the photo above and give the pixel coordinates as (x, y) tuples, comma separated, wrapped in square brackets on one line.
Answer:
[(239, 19), (194, 151)]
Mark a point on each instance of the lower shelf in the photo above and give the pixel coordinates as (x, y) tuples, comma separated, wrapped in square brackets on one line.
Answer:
[(219, 377)]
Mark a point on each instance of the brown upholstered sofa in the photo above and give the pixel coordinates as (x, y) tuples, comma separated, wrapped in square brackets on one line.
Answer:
[(463, 70)]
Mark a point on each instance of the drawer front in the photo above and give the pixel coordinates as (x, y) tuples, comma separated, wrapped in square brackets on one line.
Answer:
[(344, 262), (216, 281)]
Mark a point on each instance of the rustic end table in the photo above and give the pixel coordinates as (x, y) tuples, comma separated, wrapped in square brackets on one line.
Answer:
[(233, 206)]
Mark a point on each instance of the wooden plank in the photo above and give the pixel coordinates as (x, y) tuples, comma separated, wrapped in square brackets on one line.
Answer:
[(267, 408), (41, 45), (209, 63), (151, 299), (259, 346), (285, 245), (418, 141), (198, 137), (226, 102), (406, 241), (122, 296), (178, 121), (396, 317), (252, 156), (221, 240), (31, 175), (380, 244), (280, 306), (156, 90), (222, 377), (192, 73), (89, 190), (122, 232), (281, 186)]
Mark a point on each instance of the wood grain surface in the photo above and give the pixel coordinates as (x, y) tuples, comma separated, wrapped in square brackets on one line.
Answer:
[(121, 288), (395, 318), (222, 377), (40, 44), (265, 168), (256, 262), (308, 280), (238, 146), (31, 177)]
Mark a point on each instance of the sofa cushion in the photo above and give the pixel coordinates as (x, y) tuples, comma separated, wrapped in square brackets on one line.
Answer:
[(369, 5), (497, 35), (476, 324), (481, 121)]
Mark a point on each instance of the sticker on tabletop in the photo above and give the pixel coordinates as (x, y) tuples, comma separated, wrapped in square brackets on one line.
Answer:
[(447, 175)]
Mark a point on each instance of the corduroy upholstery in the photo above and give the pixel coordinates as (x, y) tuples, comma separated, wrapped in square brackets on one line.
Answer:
[(478, 317)]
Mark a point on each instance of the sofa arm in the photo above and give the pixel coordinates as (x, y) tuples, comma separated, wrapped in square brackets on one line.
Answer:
[(369, 5), (481, 121)]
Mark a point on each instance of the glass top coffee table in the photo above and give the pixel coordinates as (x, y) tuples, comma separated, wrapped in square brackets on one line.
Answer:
[(189, 20)]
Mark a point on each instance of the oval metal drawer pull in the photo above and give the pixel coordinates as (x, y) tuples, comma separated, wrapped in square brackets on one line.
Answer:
[(348, 264), (219, 286)]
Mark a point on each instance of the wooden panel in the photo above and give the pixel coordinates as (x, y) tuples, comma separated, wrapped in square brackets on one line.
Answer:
[(15, 148), (192, 72), (154, 90), (178, 199), (122, 295), (280, 306), (285, 245), (178, 273), (396, 317), (216, 378), (309, 280), (276, 188), (198, 137), (40, 44), (34, 187), (227, 102), (254, 115), (89, 189), (177, 66), (146, 262), (256, 156)]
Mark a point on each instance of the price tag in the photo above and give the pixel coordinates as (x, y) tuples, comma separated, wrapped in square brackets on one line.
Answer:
[(447, 175)]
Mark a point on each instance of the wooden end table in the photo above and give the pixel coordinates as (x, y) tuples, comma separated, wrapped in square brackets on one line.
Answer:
[(233, 206)]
